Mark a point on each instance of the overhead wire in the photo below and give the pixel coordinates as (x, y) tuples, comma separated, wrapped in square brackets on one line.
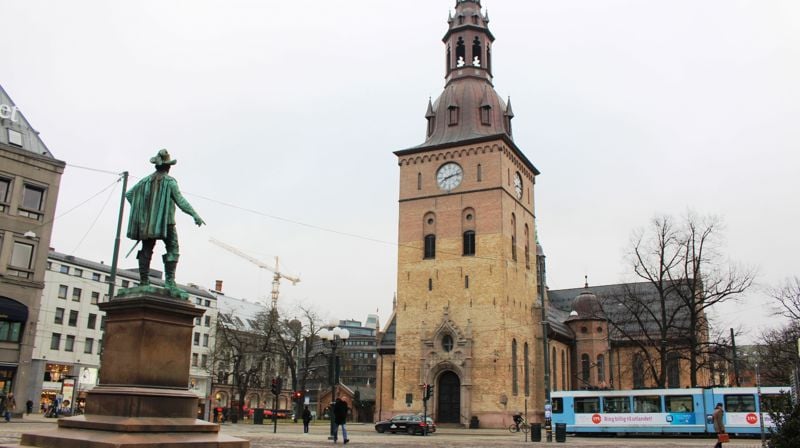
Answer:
[(96, 218)]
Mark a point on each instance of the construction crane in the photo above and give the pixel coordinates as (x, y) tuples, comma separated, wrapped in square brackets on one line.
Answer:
[(277, 274)]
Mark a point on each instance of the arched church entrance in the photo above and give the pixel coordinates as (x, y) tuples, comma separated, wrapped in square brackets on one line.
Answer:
[(449, 398)]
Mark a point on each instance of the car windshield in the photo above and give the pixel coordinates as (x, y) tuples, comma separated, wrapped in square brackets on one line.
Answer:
[(400, 418)]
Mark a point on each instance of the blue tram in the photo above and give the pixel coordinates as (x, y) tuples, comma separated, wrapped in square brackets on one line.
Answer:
[(664, 411)]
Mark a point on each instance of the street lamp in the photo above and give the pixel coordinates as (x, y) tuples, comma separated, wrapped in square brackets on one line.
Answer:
[(332, 337)]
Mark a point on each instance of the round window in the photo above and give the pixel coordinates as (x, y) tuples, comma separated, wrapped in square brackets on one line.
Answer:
[(430, 221), (584, 330), (447, 343), (469, 216), (599, 329)]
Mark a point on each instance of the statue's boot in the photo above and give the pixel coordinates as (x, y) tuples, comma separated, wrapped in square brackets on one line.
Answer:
[(169, 272), (144, 268)]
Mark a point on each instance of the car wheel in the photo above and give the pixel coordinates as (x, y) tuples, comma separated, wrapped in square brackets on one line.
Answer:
[(410, 430), (380, 429)]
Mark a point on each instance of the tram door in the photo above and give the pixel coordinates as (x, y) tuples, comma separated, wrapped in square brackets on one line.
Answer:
[(448, 404)]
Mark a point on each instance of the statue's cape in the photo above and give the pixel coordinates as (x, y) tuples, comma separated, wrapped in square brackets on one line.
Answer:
[(152, 207)]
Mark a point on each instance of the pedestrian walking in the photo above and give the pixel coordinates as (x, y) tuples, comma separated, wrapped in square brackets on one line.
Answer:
[(306, 419), (719, 426), (340, 419)]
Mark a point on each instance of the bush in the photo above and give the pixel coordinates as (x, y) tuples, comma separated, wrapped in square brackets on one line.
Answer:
[(786, 433)]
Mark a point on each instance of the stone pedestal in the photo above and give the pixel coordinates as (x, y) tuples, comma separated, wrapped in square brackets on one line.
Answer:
[(143, 399)]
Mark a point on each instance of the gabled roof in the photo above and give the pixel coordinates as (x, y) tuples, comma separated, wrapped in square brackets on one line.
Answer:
[(31, 142)]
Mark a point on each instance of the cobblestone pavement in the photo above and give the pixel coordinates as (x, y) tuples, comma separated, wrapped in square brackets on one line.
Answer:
[(290, 436)]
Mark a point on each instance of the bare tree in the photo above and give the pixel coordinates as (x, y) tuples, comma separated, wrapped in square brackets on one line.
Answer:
[(777, 351), (684, 275), (704, 280), (788, 298)]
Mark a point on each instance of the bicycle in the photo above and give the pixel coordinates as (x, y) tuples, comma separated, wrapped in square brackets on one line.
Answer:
[(524, 427)]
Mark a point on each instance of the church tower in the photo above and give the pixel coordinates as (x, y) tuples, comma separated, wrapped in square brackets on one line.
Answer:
[(467, 319)]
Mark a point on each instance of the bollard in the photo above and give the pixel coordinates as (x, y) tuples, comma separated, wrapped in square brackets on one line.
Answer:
[(536, 432), (561, 432)]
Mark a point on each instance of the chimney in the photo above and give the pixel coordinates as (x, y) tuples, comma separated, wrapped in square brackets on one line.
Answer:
[(218, 286)]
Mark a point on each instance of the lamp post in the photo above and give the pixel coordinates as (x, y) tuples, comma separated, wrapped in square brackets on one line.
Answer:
[(332, 338), (760, 411)]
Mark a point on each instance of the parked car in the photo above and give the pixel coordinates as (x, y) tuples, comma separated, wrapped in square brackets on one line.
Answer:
[(406, 423)]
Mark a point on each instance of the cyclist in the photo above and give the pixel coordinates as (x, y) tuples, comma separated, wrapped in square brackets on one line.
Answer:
[(517, 420)]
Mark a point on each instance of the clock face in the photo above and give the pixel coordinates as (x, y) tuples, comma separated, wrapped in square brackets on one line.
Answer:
[(518, 185), (449, 176)]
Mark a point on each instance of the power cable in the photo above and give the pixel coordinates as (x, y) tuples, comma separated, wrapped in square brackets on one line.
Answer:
[(96, 218)]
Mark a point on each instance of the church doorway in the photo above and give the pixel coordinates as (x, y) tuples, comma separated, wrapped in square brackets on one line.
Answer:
[(449, 398)]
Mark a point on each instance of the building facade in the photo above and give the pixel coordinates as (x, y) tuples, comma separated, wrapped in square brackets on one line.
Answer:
[(467, 317), (29, 181), (70, 327)]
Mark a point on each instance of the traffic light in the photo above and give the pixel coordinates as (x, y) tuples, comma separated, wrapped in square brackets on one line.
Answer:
[(297, 395), (429, 390), (276, 386)]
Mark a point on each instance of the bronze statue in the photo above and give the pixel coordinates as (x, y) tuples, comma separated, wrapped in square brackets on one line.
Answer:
[(152, 218)]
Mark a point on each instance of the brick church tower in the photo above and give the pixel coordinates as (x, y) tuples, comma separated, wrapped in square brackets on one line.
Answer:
[(466, 319)]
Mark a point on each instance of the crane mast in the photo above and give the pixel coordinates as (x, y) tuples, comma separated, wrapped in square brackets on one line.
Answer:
[(277, 274)]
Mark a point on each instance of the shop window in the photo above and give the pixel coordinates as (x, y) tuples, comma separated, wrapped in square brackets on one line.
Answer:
[(59, 319)]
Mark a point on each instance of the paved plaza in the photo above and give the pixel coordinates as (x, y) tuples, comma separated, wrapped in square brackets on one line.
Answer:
[(290, 436)]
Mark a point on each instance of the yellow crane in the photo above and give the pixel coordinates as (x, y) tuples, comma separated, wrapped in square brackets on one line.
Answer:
[(277, 274)]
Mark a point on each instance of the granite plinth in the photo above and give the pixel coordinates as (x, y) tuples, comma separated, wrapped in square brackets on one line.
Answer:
[(142, 400)]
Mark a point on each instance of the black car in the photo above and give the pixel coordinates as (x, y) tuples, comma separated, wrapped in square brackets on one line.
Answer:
[(407, 423)]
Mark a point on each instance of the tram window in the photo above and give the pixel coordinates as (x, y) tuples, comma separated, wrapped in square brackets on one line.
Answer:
[(616, 405), (775, 402), (647, 404), (740, 403), (679, 403), (587, 405), (558, 405)]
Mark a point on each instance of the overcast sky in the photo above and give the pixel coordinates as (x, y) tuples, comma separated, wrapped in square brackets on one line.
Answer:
[(292, 109)]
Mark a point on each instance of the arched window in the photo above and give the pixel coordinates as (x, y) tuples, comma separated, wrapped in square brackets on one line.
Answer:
[(469, 242), (638, 371), (673, 370), (461, 51), (585, 367), (449, 62), (526, 371), (477, 54), (514, 385), (430, 247), (564, 384), (601, 370), (486, 115), (527, 248), (513, 237), (553, 361), (452, 115)]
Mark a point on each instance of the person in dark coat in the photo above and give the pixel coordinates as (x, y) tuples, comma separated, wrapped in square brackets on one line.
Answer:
[(306, 419), (340, 418), (719, 426)]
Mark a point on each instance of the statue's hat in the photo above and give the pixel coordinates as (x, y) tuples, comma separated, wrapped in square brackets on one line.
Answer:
[(163, 158)]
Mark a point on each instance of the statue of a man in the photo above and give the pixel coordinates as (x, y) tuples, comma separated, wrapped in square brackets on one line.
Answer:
[(152, 217)]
